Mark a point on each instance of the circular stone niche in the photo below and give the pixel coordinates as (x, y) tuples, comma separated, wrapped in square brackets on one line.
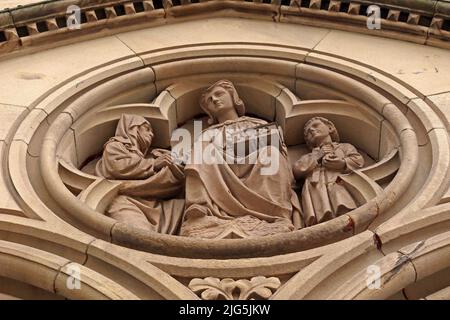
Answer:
[(364, 115)]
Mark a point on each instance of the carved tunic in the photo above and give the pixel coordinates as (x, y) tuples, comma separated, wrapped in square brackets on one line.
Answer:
[(324, 196)]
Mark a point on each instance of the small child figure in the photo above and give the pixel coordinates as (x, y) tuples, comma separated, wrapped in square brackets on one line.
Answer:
[(324, 197)]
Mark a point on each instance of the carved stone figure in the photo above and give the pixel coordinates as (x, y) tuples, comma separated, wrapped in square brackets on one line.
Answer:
[(323, 195), (145, 198), (233, 200)]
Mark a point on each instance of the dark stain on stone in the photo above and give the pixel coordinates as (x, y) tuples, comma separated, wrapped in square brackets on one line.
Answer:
[(419, 245), (30, 76), (350, 226), (377, 241), (403, 260)]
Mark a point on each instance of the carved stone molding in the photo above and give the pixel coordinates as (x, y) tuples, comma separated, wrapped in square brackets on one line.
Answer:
[(404, 269), (85, 125), (80, 128), (35, 25)]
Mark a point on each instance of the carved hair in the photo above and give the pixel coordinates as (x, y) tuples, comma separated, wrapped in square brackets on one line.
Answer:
[(229, 87), (333, 132)]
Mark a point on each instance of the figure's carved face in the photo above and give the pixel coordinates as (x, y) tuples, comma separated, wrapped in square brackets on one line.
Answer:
[(145, 133), (219, 100), (317, 132)]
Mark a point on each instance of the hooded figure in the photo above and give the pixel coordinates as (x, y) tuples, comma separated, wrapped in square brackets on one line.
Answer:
[(145, 199), (323, 195)]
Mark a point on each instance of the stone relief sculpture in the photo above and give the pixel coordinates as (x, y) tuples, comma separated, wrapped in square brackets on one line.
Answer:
[(323, 195), (226, 199), (147, 197), (233, 200)]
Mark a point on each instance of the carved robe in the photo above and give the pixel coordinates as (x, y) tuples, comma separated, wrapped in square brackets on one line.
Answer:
[(323, 195), (226, 200), (144, 199)]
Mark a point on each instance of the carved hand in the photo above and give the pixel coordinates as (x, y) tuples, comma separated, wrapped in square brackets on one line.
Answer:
[(331, 161), (163, 161)]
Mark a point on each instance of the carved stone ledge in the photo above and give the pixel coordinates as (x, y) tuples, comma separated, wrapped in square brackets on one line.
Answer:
[(118, 15)]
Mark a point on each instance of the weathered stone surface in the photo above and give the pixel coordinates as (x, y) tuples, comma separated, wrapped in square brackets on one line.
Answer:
[(425, 69), (15, 3), (41, 71), (59, 105)]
